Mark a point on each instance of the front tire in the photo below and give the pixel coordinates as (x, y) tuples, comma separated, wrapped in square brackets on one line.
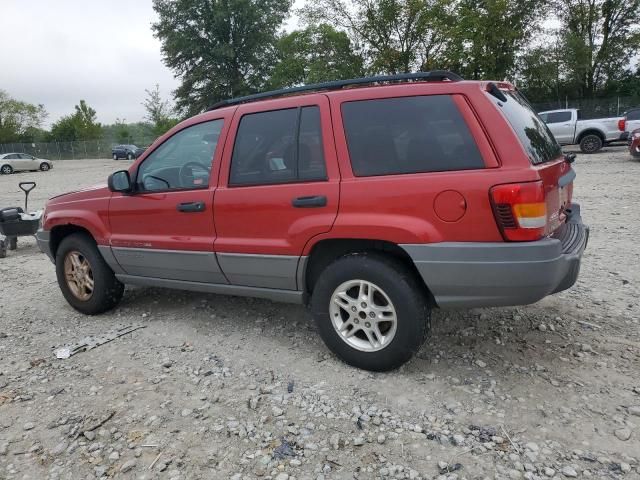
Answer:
[(371, 311), (6, 169), (115, 157), (129, 156), (590, 143), (44, 166), (86, 281)]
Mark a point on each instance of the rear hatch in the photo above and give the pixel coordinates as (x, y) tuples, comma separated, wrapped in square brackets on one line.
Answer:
[(544, 152)]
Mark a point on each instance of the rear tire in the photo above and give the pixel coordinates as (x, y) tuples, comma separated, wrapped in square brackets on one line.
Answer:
[(3, 249), (44, 166), (6, 169), (397, 292), (12, 243), (106, 291), (129, 156), (115, 157), (591, 143)]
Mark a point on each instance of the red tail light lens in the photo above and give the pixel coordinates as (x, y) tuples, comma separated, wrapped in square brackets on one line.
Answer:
[(621, 124), (520, 210)]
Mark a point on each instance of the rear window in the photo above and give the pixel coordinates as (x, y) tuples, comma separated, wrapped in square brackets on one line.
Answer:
[(534, 135), (633, 114), (558, 117), (408, 135)]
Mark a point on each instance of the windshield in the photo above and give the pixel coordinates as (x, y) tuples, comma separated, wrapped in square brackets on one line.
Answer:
[(133, 147), (534, 135)]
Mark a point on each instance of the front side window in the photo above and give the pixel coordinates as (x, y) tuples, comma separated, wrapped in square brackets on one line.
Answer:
[(183, 161), (279, 146), (408, 135)]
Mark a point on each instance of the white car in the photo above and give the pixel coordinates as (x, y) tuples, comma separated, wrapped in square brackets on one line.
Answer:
[(569, 129), (15, 162)]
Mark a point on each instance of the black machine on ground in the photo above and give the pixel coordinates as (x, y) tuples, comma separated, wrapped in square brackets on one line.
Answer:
[(15, 222)]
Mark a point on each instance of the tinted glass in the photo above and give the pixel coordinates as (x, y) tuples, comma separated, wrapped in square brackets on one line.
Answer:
[(183, 161), (311, 153), (633, 114), (533, 133), (558, 117), (271, 147), (408, 135), (13, 156)]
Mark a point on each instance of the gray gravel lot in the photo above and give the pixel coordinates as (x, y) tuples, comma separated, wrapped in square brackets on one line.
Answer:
[(225, 387)]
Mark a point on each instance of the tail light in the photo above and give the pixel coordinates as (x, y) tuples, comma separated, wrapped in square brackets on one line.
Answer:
[(520, 210), (621, 124)]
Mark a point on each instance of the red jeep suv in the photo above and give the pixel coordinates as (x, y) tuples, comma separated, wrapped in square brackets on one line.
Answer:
[(371, 200)]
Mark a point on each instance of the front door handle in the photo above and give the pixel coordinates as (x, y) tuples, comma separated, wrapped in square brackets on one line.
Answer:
[(310, 202), (191, 207)]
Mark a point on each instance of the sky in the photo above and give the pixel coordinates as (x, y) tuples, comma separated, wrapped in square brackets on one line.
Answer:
[(56, 52)]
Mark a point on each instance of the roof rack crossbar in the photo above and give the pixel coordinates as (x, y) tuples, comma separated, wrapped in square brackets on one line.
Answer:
[(337, 84)]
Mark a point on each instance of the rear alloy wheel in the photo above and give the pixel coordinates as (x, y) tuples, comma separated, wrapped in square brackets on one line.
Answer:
[(371, 311), (85, 279), (6, 169), (590, 143), (44, 166)]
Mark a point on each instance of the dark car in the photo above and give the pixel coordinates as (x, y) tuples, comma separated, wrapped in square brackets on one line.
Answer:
[(126, 151)]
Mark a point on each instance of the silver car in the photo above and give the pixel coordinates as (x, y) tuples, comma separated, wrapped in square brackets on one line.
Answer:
[(16, 162)]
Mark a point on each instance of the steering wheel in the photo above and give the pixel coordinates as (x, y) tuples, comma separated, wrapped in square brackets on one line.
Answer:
[(187, 178)]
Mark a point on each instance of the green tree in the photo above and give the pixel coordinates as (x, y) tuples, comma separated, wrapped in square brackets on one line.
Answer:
[(218, 48), (486, 36), (122, 131), (19, 121), (600, 37), (81, 125), (316, 54), (159, 112), (395, 36)]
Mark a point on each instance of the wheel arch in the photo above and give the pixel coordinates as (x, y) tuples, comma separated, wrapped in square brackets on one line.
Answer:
[(60, 232), (592, 131), (325, 251)]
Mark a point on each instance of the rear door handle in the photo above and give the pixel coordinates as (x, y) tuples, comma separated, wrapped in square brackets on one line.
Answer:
[(310, 202), (191, 207)]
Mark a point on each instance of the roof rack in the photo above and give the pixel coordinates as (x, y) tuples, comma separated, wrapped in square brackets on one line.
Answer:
[(435, 75)]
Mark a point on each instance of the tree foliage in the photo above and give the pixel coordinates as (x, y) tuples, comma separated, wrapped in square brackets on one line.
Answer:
[(81, 125), (19, 121), (159, 111), (218, 48), (394, 36), (316, 54)]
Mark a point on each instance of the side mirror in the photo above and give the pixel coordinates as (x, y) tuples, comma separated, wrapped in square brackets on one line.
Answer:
[(119, 181)]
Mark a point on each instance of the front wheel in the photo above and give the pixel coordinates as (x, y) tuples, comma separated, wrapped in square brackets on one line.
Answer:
[(6, 169), (115, 157), (590, 143), (44, 166), (86, 281), (371, 311), (129, 156)]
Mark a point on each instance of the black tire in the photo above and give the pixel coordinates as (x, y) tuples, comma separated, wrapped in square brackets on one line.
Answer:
[(405, 292), (44, 166), (12, 243), (3, 249), (591, 143), (6, 169), (129, 156), (115, 156), (107, 290)]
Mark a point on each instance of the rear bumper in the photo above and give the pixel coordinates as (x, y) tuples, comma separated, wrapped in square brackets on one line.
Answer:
[(474, 274), (44, 244)]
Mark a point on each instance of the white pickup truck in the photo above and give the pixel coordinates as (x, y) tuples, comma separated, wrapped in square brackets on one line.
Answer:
[(569, 129)]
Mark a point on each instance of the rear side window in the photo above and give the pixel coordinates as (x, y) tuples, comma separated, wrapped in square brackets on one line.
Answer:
[(533, 133), (280, 146), (633, 114), (558, 117), (408, 135)]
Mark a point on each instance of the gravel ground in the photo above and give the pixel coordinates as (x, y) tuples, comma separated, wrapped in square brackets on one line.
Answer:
[(224, 387)]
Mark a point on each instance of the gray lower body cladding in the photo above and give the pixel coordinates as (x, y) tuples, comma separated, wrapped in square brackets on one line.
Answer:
[(466, 275)]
